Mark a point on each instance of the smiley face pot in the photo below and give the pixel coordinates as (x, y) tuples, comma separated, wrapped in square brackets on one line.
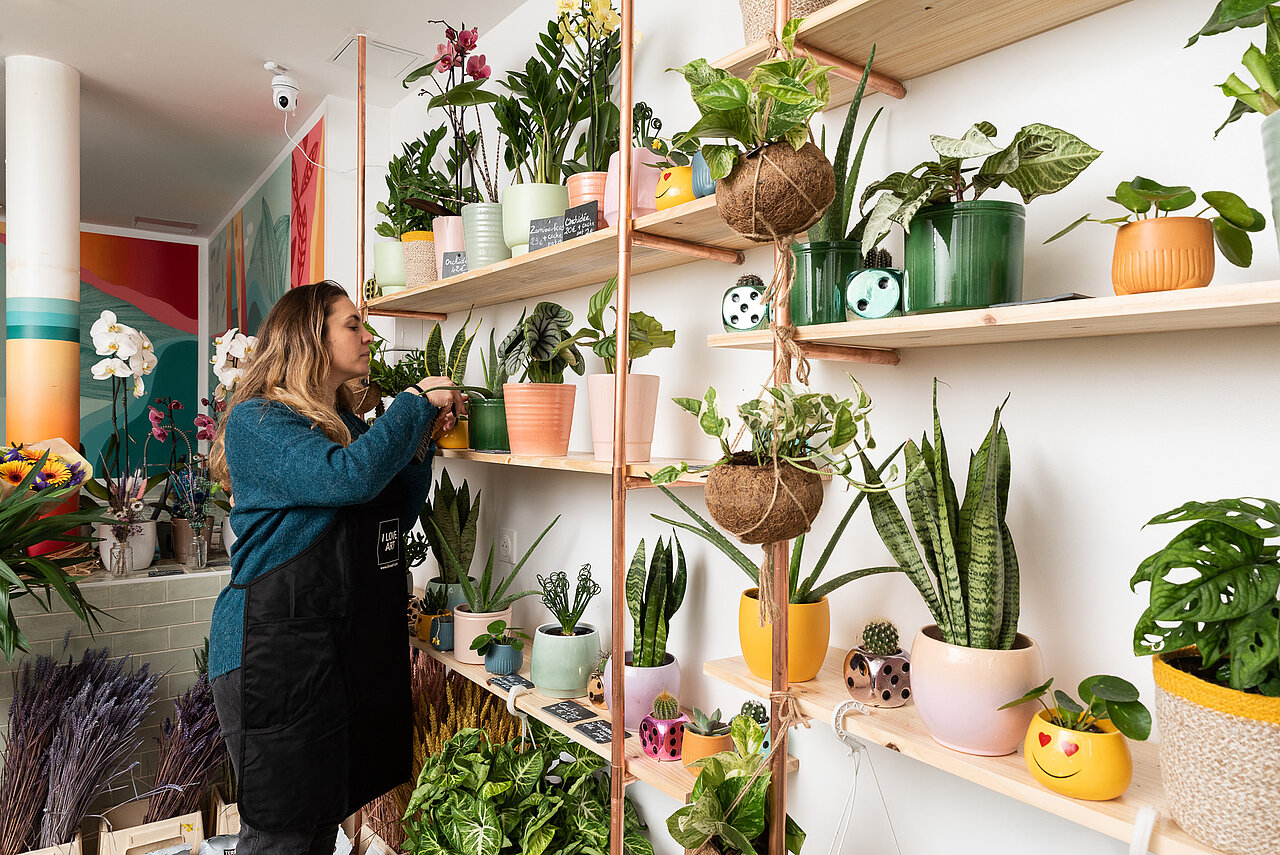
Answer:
[(1095, 766)]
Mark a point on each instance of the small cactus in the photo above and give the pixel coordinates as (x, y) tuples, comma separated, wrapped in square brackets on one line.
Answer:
[(666, 707), (750, 280), (755, 711), (878, 258), (880, 637)]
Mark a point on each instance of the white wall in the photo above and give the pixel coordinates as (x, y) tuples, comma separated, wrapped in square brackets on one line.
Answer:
[(1105, 432)]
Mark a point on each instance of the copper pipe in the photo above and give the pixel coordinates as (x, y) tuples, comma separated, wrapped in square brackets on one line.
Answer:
[(877, 81), (617, 759), (847, 353), (684, 247), (360, 135), (397, 313)]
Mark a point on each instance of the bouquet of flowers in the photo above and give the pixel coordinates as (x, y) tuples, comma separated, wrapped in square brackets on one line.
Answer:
[(62, 466), (192, 493)]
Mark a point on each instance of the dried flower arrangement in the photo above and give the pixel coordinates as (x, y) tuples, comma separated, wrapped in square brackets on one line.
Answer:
[(191, 753)]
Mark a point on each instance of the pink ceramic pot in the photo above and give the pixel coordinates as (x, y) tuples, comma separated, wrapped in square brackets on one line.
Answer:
[(959, 691), (642, 408), (644, 185), (642, 686), (449, 237)]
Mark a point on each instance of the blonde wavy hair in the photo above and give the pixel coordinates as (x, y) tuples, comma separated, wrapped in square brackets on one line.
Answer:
[(291, 365)]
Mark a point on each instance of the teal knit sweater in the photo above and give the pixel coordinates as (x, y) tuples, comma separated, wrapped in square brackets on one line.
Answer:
[(290, 480)]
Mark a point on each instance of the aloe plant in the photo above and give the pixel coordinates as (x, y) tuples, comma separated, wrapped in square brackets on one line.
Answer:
[(449, 520), (490, 594), (968, 574), (653, 599), (834, 224)]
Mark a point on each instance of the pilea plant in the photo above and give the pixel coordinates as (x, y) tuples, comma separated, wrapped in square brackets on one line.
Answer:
[(1146, 199), (1103, 698), (555, 596), (498, 632), (645, 333), (707, 725), (653, 599), (541, 347)]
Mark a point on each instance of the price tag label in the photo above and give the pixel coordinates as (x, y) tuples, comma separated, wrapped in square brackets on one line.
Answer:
[(569, 711), (545, 232), (581, 220), (598, 731), (509, 682), (454, 263)]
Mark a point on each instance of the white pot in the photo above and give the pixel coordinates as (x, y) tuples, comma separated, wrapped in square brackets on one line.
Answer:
[(144, 545), (642, 408)]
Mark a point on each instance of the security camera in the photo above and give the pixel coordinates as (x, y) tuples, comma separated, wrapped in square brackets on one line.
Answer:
[(284, 92)]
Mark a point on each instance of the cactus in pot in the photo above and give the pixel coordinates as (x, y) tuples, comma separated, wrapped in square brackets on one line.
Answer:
[(878, 671), (662, 730)]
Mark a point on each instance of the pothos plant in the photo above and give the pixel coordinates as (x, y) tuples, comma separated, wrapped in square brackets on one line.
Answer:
[(1040, 160), (1262, 64), (540, 347), (645, 333), (774, 104)]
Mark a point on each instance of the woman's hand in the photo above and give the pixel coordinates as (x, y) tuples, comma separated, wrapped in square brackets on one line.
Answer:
[(450, 402)]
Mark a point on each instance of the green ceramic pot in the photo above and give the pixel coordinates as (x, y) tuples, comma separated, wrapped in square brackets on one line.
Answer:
[(454, 593), (503, 659), (524, 202), (562, 664), (822, 267), (482, 229), (964, 255), (488, 424), (388, 263)]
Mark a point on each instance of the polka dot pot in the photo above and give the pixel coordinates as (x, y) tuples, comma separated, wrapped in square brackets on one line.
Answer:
[(662, 739), (878, 681)]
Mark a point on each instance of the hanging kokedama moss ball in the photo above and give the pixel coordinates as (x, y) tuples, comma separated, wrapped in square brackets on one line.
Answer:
[(758, 504), (776, 191)]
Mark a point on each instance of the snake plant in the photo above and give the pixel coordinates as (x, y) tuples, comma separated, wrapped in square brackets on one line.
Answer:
[(653, 599)]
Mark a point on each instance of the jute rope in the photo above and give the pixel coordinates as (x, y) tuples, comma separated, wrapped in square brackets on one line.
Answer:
[(788, 717)]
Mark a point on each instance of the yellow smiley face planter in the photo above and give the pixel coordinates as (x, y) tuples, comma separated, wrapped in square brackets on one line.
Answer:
[(1094, 766), (675, 187)]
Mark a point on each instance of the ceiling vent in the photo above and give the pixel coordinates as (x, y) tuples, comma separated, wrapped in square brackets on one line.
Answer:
[(381, 60), (152, 224)]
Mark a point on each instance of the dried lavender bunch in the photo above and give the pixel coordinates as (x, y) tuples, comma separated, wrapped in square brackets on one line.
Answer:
[(97, 731), (191, 750)]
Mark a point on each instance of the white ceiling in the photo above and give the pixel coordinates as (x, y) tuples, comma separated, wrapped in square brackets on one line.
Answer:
[(177, 119)]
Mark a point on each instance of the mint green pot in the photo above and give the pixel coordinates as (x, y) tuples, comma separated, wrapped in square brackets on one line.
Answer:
[(822, 267), (562, 664), (524, 202), (964, 255), (454, 592), (482, 230)]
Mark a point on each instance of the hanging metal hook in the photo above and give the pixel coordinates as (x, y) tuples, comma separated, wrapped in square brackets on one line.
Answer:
[(837, 724), (513, 693)]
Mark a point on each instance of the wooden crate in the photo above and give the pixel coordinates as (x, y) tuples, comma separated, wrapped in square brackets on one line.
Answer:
[(75, 847), (226, 817), (122, 832)]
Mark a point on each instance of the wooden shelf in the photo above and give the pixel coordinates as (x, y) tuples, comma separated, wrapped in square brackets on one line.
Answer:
[(1215, 307), (902, 730), (670, 778), (917, 37), (574, 461), (588, 260)]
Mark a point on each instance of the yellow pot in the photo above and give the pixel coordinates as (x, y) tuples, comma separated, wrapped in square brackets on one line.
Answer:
[(1094, 766), (675, 187), (459, 437), (808, 634), (696, 746), (410, 237), (423, 628)]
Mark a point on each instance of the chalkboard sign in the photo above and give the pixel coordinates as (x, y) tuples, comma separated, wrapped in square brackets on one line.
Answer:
[(509, 682), (547, 231), (454, 263), (581, 220), (569, 711), (598, 731)]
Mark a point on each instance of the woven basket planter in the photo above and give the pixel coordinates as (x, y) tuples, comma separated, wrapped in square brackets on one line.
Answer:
[(757, 15), (776, 191), (758, 504), (1219, 760), (420, 263)]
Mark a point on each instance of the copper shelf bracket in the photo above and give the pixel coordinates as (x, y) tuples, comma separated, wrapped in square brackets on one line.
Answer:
[(844, 68), (849, 353), (684, 247), (399, 313)]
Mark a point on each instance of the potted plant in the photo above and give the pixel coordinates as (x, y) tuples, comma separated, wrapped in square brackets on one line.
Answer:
[(644, 335), (486, 601), (567, 649), (877, 671), (590, 31), (540, 411), (833, 251), (704, 735), (502, 648), (386, 379), (653, 597), (486, 408), (430, 609), (662, 730), (755, 711), (453, 365), (1212, 623), (772, 181), (808, 610), (1157, 252), (1078, 748), (719, 815), (449, 518), (967, 253), (414, 188), (646, 156), (773, 491), (972, 659)]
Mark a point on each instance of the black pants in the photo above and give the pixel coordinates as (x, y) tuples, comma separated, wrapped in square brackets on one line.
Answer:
[(304, 841)]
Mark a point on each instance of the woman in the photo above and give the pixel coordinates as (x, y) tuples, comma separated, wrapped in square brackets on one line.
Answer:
[(308, 657)]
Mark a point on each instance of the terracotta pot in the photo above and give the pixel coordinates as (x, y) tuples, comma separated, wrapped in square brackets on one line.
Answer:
[(467, 626), (808, 634), (1094, 766), (642, 686), (586, 187), (696, 746), (1164, 254), (539, 417), (449, 237), (959, 692), (761, 504), (642, 409), (776, 191)]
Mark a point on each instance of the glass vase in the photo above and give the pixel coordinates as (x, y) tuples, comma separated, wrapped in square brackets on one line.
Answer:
[(121, 558), (197, 554)]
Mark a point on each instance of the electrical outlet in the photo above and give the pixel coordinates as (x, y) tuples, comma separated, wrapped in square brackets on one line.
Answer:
[(507, 545)]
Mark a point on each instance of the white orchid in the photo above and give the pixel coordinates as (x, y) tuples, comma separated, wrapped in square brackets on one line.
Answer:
[(229, 375), (111, 367), (106, 323), (122, 344), (139, 390), (242, 346), (220, 393), (142, 363)]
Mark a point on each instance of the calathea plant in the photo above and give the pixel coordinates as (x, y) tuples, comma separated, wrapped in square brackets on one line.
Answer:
[(653, 599), (645, 332), (540, 347)]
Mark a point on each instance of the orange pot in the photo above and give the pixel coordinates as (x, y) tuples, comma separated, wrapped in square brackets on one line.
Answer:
[(1163, 254), (808, 634), (585, 187), (539, 417), (696, 746), (459, 437)]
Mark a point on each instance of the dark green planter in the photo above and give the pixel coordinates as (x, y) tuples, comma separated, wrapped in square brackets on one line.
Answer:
[(817, 294), (488, 424), (964, 255)]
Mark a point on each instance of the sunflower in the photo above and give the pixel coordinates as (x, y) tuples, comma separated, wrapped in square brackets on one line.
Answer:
[(55, 473), (14, 471)]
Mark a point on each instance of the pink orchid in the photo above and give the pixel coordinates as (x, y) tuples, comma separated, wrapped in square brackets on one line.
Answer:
[(450, 33), (155, 415), (476, 67), (467, 39), (204, 427), (160, 433), (176, 405), (445, 57)]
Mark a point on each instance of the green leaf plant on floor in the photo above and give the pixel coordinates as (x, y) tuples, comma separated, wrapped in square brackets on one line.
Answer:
[(1262, 64), (1147, 199)]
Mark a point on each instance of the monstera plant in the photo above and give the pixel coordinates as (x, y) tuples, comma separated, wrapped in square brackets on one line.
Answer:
[(539, 349)]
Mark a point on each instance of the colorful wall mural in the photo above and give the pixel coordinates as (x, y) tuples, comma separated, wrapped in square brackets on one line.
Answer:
[(306, 210), (153, 286)]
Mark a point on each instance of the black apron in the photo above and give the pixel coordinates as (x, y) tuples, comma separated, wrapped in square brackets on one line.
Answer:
[(326, 700)]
